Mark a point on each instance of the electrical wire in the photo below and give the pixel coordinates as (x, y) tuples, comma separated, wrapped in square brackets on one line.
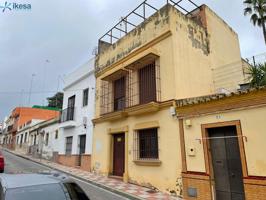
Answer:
[(42, 92)]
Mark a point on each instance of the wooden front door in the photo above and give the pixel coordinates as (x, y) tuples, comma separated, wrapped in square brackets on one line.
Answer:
[(119, 154), (226, 164)]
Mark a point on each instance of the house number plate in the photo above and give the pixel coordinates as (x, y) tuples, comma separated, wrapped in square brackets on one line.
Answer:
[(119, 139)]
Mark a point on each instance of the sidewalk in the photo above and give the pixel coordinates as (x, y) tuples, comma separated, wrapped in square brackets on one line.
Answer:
[(127, 190)]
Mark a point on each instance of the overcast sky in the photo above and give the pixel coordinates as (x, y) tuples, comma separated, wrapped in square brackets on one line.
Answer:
[(56, 36)]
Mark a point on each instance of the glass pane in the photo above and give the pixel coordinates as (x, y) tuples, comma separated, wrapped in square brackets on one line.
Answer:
[(76, 193), (39, 192)]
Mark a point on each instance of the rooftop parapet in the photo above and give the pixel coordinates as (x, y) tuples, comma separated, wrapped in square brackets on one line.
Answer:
[(146, 22), (140, 14)]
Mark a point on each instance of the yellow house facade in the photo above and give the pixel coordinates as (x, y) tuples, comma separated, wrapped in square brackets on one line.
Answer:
[(171, 55), (223, 146)]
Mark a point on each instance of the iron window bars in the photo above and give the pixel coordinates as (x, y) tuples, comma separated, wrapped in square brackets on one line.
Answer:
[(146, 144), (134, 87)]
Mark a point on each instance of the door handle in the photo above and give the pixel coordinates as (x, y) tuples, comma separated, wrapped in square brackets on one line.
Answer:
[(233, 175)]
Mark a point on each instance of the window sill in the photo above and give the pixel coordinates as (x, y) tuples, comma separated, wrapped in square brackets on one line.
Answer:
[(148, 162)]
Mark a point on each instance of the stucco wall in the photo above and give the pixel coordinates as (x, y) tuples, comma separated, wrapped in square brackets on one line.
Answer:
[(253, 127), (53, 143), (225, 53), (187, 53), (163, 176), (191, 57), (76, 82)]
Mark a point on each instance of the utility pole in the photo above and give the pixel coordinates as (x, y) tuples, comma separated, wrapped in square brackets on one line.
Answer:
[(32, 76)]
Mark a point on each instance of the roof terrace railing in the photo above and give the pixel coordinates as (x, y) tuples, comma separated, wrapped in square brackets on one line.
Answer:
[(139, 15)]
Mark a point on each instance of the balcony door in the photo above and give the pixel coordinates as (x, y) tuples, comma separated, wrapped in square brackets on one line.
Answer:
[(70, 107), (119, 94), (147, 84)]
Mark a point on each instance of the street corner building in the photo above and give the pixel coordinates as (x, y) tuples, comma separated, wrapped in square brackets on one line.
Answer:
[(172, 54), (75, 128)]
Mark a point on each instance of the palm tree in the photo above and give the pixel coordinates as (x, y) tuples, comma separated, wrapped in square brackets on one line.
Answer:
[(257, 10), (257, 75)]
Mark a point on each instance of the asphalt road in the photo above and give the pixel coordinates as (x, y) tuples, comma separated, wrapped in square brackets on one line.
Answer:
[(15, 164)]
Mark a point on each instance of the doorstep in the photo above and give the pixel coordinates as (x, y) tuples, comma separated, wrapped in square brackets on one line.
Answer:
[(116, 177), (112, 184)]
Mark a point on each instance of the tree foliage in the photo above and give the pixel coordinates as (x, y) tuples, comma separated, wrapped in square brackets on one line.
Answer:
[(257, 75), (257, 11), (56, 101)]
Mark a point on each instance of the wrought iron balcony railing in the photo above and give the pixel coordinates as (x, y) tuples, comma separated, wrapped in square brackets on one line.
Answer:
[(129, 88), (67, 114)]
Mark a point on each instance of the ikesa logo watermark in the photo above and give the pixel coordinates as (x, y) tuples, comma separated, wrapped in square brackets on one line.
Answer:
[(7, 6)]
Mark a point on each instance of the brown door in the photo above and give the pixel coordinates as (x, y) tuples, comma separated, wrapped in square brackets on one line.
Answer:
[(119, 154), (147, 84), (226, 164), (119, 94)]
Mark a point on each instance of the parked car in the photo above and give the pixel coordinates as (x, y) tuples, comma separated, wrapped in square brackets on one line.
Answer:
[(39, 186), (2, 162)]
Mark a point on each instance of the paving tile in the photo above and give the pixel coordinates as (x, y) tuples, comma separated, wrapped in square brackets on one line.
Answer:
[(132, 189)]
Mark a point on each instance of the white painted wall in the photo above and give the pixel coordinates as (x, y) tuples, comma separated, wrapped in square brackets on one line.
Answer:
[(81, 79), (53, 143)]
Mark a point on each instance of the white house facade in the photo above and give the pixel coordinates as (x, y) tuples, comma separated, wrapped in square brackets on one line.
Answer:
[(44, 139), (23, 138), (76, 129)]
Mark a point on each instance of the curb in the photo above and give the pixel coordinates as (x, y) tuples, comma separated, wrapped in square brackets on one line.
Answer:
[(123, 194)]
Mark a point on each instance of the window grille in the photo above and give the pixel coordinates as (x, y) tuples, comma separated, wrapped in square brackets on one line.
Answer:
[(146, 145), (147, 84), (140, 85), (119, 94), (69, 145)]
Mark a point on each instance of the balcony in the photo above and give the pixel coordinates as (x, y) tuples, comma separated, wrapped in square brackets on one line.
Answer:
[(136, 84), (67, 119)]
